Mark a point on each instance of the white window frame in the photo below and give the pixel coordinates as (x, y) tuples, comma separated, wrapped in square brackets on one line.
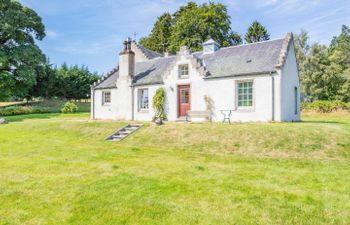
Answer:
[(104, 102), (141, 106), (180, 70), (237, 95)]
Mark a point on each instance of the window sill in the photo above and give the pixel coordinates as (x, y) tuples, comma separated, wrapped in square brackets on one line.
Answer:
[(106, 104), (245, 109), (184, 77), (143, 111)]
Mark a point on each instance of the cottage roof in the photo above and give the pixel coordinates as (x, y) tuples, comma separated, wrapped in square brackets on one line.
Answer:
[(256, 58), (147, 52)]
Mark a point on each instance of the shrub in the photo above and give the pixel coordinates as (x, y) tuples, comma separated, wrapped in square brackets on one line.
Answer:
[(69, 107), (158, 103), (19, 110), (325, 106)]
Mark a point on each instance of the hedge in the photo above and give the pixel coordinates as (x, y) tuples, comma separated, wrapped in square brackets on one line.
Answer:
[(19, 110), (325, 106)]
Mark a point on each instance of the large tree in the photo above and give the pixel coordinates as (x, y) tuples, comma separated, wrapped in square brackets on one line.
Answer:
[(74, 81), (158, 40), (324, 72), (192, 25), (340, 59), (256, 32), (20, 57)]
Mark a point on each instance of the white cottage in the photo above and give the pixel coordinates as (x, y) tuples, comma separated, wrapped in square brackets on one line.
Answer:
[(251, 82)]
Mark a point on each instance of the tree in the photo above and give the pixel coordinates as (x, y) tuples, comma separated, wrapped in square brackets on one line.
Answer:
[(340, 59), (192, 25), (324, 72), (302, 49), (20, 58), (47, 84), (158, 40), (74, 82), (256, 32)]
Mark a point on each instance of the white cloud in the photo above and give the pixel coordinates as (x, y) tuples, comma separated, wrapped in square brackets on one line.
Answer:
[(264, 3), (51, 34)]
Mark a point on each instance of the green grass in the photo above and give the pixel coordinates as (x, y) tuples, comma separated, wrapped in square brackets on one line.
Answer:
[(57, 169)]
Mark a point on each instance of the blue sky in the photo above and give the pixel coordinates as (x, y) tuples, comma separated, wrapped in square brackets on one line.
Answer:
[(91, 32)]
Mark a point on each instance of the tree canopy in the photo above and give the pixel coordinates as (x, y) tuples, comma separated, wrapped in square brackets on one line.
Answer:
[(192, 25), (324, 71), (66, 82), (256, 32), (20, 58)]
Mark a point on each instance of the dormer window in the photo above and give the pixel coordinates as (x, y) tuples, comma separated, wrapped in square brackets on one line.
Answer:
[(183, 71)]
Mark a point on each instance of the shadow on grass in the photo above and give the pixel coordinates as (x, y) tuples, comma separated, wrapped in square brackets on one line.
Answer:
[(321, 121), (19, 118)]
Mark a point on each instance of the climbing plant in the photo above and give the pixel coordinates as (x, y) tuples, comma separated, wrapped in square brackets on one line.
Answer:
[(158, 104)]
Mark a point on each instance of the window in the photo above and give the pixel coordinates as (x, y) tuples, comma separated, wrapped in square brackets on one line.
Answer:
[(295, 100), (143, 99), (106, 97), (183, 71), (185, 96), (245, 94)]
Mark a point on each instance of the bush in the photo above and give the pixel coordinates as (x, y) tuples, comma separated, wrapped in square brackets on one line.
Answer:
[(158, 104), (19, 110), (325, 106), (69, 107)]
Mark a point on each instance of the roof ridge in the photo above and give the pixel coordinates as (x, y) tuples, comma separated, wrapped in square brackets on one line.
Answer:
[(247, 44)]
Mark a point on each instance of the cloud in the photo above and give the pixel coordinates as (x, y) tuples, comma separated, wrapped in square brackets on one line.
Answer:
[(51, 34), (264, 3)]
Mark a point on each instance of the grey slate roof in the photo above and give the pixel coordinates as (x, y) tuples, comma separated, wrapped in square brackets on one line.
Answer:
[(148, 53), (152, 71), (256, 58), (108, 81), (245, 59)]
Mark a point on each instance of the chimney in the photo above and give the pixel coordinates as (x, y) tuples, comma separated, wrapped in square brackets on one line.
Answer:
[(210, 46), (127, 61)]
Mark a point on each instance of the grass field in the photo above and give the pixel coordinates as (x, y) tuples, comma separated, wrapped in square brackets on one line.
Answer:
[(57, 169)]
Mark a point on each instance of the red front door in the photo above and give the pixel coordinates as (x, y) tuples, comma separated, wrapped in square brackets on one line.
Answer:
[(184, 98)]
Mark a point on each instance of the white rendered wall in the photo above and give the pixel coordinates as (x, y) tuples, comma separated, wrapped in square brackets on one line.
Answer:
[(171, 83), (222, 92), (142, 114), (290, 79), (108, 111)]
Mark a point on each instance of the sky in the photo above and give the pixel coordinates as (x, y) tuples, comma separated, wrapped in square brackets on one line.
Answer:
[(91, 32)]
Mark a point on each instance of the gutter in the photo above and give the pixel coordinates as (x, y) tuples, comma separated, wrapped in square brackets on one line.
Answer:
[(147, 84), (273, 96), (239, 75), (132, 103)]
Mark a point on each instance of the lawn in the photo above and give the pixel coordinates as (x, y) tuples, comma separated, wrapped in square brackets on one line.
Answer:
[(57, 169)]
